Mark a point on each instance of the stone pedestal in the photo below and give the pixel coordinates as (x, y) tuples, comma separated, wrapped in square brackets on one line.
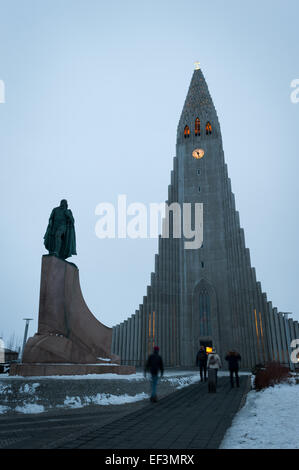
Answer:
[(42, 370), (69, 337)]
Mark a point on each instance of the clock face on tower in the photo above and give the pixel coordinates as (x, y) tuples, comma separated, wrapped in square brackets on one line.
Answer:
[(198, 153)]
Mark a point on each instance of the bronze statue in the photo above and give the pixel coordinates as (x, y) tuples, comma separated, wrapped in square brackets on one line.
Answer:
[(60, 238)]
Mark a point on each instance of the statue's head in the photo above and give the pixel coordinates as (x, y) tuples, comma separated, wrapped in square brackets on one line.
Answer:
[(63, 203)]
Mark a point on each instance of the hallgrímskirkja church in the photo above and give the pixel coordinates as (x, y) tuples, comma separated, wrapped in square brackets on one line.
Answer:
[(207, 296)]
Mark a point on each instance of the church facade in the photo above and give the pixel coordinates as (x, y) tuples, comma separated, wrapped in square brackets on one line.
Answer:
[(209, 295)]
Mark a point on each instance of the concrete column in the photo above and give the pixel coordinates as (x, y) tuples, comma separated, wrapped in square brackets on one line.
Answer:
[(114, 340), (255, 316), (250, 321), (236, 326), (154, 309), (169, 297), (275, 356), (267, 332), (135, 347), (125, 343), (150, 319), (169, 294), (164, 345), (166, 297), (177, 271), (146, 329), (231, 264), (142, 329), (242, 304), (292, 329), (137, 336), (245, 301), (118, 340), (121, 340), (283, 338), (159, 305), (128, 340), (288, 340), (177, 306), (132, 339), (261, 322), (140, 337), (278, 335)]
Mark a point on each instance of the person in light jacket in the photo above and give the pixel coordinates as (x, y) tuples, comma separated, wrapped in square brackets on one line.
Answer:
[(214, 361)]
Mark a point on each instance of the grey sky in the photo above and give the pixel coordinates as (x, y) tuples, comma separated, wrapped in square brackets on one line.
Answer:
[(94, 92)]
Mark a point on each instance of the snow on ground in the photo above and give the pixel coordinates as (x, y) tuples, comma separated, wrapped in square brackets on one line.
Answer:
[(110, 376), (102, 399), (269, 420), (30, 408), (177, 379)]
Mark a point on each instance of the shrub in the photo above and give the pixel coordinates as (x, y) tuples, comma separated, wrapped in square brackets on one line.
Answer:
[(273, 373)]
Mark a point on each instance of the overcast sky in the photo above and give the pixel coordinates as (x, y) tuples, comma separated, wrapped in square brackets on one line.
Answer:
[(94, 92)]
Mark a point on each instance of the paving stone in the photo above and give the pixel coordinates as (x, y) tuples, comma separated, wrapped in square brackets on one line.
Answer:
[(200, 420)]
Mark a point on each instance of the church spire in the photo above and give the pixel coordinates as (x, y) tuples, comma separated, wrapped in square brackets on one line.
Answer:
[(198, 106)]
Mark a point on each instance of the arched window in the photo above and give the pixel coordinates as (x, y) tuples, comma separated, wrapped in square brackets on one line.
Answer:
[(197, 126), (186, 132), (208, 128), (204, 313)]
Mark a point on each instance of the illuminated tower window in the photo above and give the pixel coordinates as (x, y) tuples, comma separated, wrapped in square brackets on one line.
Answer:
[(186, 132), (208, 128), (197, 126)]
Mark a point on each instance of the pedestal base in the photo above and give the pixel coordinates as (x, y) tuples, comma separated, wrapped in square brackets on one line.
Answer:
[(43, 370)]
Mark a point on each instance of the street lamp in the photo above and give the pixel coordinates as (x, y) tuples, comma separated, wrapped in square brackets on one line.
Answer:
[(25, 335)]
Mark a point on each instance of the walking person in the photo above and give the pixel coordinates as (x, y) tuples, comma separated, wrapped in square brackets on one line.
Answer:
[(233, 358), (213, 364), (154, 364), (201, 362)]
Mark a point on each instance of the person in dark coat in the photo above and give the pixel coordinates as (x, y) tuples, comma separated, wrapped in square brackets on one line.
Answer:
[(233, 358), (154, 364), (201, 362)]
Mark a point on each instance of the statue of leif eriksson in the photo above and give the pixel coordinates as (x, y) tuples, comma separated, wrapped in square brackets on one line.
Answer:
[(60, 238)]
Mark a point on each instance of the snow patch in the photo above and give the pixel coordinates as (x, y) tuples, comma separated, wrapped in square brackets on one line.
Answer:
[(181, 382), (29, 388), (29, 408), (102, 399), (268, 420), (5, 389), (3, 409)]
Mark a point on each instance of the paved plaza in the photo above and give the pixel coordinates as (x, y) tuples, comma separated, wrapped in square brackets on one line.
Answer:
[(190, 418)]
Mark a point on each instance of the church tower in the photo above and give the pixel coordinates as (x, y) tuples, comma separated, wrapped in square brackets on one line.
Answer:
[(208, 295), (206, 310)]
